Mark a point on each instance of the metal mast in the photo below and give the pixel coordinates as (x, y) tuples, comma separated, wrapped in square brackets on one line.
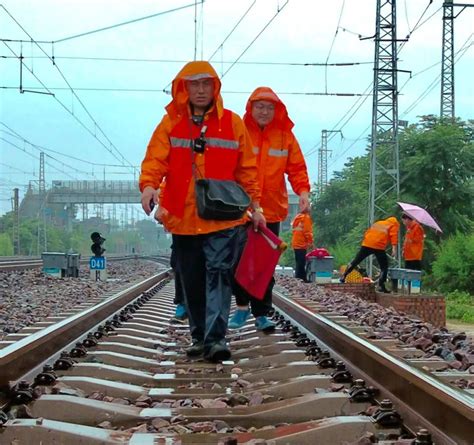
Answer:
[(447, 59), (447, 62), (384, 181), (323, 163), (16, 222), (323, 160), (42, 181)]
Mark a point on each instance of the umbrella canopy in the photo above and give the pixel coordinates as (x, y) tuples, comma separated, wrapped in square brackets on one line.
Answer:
[(421, 215)]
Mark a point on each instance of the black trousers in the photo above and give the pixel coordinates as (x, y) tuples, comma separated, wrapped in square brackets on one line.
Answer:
[(242, 297), (413, 264), (363, 253), (178, 284), (300, 260), (206, 264)]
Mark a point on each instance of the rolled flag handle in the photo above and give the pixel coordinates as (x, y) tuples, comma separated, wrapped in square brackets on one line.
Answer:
[(275, 242)]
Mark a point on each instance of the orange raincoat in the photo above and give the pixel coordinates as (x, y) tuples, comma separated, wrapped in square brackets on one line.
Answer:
[(278, 153), (228, 155), (302, 228), (381, 233), (413, 244)]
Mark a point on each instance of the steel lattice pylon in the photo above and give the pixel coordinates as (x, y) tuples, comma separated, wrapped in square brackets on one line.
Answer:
[(16, 222), (384, 181), (447, 65), (323, 162)]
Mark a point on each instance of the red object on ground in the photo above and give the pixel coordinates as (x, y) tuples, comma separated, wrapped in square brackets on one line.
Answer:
[(257, 263), (319, 252)]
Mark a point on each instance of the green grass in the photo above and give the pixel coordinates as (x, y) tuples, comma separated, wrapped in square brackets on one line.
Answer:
[(460, 306)]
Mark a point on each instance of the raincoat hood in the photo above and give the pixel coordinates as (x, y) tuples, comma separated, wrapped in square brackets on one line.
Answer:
[(193, 71), (392, 220), (281, 119)]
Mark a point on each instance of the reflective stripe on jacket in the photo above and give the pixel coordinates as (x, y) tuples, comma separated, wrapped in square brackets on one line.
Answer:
[(228, 155), (413, 243), (278, 153), (381, 233), (302, 228)]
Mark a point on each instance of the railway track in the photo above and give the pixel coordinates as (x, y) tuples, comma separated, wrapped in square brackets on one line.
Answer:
[(126, 380), (8, 264)]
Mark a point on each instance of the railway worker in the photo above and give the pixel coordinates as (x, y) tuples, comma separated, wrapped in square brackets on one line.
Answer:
[(413, 243), (205, 249), (302, 239), (278, 154), (376, 238), (180, 312)]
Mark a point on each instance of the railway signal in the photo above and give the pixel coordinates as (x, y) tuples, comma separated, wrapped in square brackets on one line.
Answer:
[(97, 263), (96, 247)]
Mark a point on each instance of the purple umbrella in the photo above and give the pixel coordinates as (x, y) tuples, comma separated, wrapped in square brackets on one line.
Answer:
[(421, 215)]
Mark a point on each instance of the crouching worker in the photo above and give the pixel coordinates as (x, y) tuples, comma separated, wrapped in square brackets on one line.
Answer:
[(198, 138), (376, 238)]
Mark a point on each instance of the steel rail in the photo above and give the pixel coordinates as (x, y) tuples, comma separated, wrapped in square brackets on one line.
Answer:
[(447, 408), (29, 263), (21, 357)]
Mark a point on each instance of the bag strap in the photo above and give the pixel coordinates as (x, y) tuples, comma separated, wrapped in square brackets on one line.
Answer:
[(202, 132)]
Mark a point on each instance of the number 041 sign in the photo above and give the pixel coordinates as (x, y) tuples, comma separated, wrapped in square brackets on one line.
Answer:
[(97, 263)]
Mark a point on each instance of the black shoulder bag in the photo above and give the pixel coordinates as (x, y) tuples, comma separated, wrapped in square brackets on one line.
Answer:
[(217, 199)]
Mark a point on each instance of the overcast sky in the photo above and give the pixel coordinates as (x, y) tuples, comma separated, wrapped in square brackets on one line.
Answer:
[(122, 121)]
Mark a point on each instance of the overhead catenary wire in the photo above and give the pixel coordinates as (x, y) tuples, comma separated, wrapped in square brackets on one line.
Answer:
[(232, 30), (418, 25), (165, 89), (332, 45), (111, 147), (36, 157), (49, 150), (70, 111), (420, 98), (138, 60), (128, 22), (279, 9)]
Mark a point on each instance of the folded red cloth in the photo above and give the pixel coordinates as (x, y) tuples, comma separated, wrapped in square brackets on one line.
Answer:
[(258, 261)]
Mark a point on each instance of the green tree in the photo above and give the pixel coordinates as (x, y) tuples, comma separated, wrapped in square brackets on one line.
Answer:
[(6, 245), (436, 170), (453, 268)]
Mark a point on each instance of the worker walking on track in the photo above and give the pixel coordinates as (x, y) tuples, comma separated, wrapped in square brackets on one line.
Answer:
[(302, 239), (197, 136), (376, 238), (413, 243), (279, 154)]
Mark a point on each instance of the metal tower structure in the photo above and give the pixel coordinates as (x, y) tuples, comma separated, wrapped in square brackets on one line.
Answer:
[(447, 62), (384, 181), (447, 58), (42, 181), (323, 160), (16, 222)]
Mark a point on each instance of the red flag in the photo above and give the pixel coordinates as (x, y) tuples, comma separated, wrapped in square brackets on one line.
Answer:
[(259, 258)]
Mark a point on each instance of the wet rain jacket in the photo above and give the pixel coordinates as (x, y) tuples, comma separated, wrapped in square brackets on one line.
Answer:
[(228, 155), (381, 233), (302, 228), (278, 153), (413, 244)]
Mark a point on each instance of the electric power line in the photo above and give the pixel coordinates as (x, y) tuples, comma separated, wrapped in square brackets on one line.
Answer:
[(13, 133), (332, 44), (255, 38), (129, 60), (96, 125), (232, 30)]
